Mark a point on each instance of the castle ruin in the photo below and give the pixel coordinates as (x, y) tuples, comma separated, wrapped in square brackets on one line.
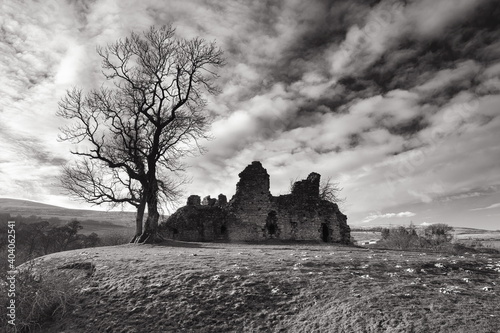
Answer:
[(254, 214)]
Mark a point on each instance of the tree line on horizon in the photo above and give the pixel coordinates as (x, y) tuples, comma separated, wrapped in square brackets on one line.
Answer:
[(35, 236)]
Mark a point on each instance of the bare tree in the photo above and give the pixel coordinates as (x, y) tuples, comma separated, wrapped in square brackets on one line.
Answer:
[(329, 190), (138, 128)]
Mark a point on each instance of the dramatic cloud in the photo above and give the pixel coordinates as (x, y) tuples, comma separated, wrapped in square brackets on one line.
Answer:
[(497, 205), (398, 101), (372, 217)]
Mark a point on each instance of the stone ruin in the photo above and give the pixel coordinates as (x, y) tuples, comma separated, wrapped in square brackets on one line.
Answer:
[(254, 214)]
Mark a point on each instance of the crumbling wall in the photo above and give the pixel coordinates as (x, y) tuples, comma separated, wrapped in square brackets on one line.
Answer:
[(193, 200), (197, 221), (307, 191), (250, 205), (307, 217), (254, 214)]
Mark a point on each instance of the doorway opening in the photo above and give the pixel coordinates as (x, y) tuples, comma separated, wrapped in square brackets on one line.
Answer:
[(325, 232), (272, 224)]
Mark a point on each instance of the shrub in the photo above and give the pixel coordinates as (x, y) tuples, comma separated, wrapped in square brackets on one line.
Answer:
[(385, 233), (400, 238), (115, 238), (435, 236)]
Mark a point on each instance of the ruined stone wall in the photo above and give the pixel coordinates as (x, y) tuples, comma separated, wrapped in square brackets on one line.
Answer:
[(310, 218), (306, 191), (196, 222), (253, 214), (250, 204)]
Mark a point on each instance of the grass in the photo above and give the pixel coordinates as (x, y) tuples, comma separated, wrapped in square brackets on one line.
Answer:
[(481, 238), (212, 287), (364, 236), (41, 296)]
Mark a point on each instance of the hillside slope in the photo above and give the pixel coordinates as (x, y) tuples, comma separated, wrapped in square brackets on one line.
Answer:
[(195, 287), (26, 208)]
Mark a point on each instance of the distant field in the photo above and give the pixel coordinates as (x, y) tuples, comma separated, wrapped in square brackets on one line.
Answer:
[(485, 238), (480, 235), (365, 236), (466, 236), (478, 242)]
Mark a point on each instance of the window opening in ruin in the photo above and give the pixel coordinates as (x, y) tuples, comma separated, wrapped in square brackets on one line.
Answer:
[(223, 230), (272, 223), (293, 230), (325, 233), (175, 231)]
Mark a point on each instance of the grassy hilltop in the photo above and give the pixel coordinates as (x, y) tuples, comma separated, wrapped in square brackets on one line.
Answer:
[(212, 287)]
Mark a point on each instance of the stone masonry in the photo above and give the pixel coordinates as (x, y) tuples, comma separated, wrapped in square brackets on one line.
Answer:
[(254, 214)]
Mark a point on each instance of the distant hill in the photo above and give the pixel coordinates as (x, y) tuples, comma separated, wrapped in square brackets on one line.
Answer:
[(92, 220), (456, 230)]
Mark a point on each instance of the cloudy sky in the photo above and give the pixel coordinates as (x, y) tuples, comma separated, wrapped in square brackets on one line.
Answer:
[(399, 101)]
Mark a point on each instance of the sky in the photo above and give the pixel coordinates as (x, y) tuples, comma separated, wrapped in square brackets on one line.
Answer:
[(397, 101)]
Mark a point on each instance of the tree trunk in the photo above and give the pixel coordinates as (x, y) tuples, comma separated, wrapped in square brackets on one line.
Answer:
[(139, 217), (150, 233)]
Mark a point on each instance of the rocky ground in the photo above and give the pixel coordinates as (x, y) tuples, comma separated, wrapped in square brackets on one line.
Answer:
[(212, 287)]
